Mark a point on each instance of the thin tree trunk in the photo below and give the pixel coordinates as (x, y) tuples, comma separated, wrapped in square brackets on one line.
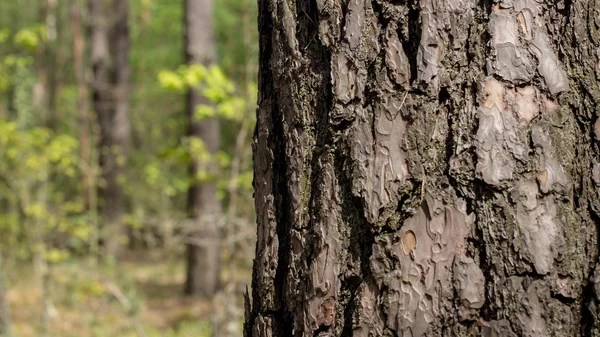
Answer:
[(52, 61), (40, 95), (45, 87), (4, 313), (5, 329), (110, 64), (203, 206), (427, 168), (82, 95)]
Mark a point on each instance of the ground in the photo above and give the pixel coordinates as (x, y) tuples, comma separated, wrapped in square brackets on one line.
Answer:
[(137, 297)]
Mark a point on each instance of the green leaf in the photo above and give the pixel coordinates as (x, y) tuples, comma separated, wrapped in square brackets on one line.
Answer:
[(194, 74), (171, 81), (27, 38), (204, 112)]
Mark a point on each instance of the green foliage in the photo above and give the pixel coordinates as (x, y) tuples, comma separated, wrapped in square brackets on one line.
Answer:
[(212, 82), (235, 29), (226, 103), (16, 70), (158, 173), (31, 38), (29, 158), (47, 213), (214, 85), (171, 81), (157, 178)]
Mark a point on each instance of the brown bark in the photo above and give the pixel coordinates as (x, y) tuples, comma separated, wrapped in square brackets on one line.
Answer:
[(427, 168), (109, 48), (203, 206)]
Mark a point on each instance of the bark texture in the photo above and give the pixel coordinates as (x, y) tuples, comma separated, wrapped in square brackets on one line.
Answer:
[(109, 52), (427, 168), (204, 207)]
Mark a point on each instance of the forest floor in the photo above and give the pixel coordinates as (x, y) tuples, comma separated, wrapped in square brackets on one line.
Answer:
[(136, 297)]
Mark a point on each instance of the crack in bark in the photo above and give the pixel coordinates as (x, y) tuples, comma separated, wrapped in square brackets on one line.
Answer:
[(487, 312), (361, 240), (412, 41), (307, 30), (587, 317), (350, 285), (284, 222)]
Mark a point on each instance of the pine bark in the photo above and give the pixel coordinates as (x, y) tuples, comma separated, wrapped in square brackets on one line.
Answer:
[(204, 207), (427, 168), (109, 50)]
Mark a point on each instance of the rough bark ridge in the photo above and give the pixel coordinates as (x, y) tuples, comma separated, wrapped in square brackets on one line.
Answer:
[(427, 168), (204, 206), (109, 52)]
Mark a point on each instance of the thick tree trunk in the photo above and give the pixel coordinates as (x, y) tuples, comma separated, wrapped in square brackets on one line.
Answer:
[(203, 206), (427, 168), (110, 64)]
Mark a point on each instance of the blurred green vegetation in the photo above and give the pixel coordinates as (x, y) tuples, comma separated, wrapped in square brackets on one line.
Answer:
[(49, 221)]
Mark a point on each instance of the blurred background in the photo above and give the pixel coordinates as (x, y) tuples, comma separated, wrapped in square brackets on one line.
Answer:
[(125, 166)]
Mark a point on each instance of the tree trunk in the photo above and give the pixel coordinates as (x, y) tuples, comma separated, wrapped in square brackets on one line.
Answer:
[(79, 69), (52, 61), (427, 168), (204, 207), (4, 313), (110, 64), (5, 328), (45, 87)]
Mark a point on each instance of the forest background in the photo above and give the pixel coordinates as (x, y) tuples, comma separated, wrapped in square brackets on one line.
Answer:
[(58, 278)]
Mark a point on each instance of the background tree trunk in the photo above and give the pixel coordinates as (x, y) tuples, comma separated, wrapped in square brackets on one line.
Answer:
[(52, 53), (427, 168), (109, 46), (79, 69), (5, 329), (203, 206)]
